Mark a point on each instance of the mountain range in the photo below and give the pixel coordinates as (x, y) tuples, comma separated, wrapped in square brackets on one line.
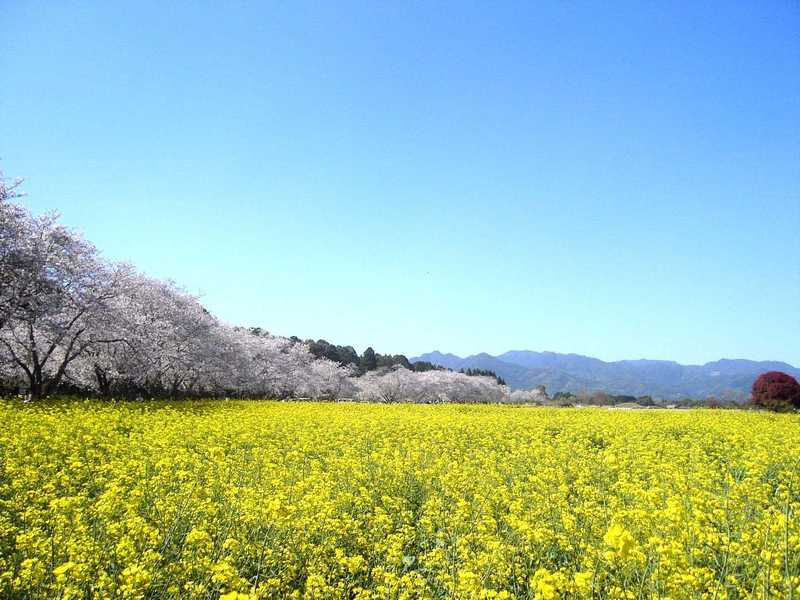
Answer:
[(661, 379)]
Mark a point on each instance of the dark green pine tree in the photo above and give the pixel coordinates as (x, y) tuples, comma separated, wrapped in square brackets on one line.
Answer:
[(369, 361)]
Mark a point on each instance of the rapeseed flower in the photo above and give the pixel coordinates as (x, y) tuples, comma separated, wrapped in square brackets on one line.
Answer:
[(253, 500)]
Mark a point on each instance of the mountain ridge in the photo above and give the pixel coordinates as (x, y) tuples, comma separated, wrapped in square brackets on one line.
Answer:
[(662, 379)]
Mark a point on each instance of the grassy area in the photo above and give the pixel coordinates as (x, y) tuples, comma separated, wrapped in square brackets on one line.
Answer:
[(274, 500)]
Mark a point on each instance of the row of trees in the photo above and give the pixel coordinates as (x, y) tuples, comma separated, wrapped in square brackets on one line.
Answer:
[(483, 373), (368, 361), (372, 361), (70, 320)]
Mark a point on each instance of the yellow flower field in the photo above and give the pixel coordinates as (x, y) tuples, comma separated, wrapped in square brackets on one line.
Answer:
[(274, 500)]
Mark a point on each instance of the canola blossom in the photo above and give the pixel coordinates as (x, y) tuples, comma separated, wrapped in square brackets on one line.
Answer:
[(243, 500)]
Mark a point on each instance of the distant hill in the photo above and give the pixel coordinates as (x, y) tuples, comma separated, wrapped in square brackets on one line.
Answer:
[(668, 380)]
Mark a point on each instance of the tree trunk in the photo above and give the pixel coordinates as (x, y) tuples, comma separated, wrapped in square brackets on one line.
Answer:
[(35, 389), (102, 382)]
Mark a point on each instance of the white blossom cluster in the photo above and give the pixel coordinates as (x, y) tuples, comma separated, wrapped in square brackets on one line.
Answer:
[(401, 385), (70, 319)]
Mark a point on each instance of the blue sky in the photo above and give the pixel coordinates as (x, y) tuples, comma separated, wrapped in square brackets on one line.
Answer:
[(618, 180)]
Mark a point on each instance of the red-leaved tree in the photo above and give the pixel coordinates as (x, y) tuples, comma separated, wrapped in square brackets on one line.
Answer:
[(776, 391)]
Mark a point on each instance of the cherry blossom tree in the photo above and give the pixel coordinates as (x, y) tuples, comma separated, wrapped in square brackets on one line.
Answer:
[(160, 341), (537, 395), (60, 285), (399, 384), (17, 286)]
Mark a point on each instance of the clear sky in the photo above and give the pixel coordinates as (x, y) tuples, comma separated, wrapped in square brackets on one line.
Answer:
[(611, 179)]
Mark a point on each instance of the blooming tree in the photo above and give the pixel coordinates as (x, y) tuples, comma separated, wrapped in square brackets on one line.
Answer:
[(399, 384), (59, 288), (17, 285), (535, 396)]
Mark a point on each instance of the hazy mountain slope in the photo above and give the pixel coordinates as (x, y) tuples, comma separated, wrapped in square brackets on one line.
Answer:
[(450, 361), (524, 369)]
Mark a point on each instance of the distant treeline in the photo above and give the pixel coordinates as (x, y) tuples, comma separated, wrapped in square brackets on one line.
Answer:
[(370, 360), (599, 398)]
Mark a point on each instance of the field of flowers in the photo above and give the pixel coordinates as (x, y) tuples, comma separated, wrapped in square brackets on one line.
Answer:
[(303, 500)]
